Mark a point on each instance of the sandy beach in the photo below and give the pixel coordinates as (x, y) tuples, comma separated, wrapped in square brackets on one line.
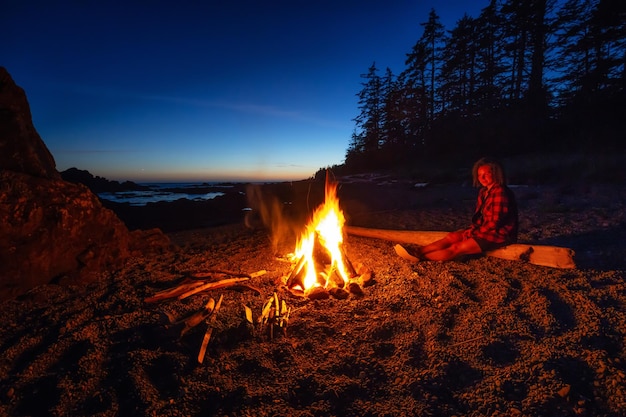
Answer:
[(475, 337)]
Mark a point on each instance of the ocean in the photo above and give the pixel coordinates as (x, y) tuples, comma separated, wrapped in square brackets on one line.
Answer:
[(167, 192)]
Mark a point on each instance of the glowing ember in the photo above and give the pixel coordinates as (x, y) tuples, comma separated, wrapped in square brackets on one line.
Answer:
[(321, 241)]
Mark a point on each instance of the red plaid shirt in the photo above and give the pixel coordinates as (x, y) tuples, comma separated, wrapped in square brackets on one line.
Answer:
[(495, 218)]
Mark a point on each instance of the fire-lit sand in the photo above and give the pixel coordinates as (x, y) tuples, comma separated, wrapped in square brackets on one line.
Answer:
[(481, 336)]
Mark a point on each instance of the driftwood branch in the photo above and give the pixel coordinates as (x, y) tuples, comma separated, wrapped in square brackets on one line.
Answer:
[(182, 288), (544, 255), (204, 281), (209, 330), (213, 286), (197, 317), (275, 313)]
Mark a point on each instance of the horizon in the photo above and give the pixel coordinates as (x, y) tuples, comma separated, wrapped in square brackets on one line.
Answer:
[(195, 179), (201, 91)]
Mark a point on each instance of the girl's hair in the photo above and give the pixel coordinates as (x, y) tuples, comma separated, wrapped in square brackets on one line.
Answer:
[(496, 170)]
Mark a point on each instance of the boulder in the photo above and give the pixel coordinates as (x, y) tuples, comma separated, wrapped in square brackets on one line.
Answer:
[(21, 148), (53, 231)]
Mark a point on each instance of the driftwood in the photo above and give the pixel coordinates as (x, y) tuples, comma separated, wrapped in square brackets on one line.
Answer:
[(275, 313), (544, 255), (209, 330), (201, 283), (197, 317), (213, 286), (186, 285)]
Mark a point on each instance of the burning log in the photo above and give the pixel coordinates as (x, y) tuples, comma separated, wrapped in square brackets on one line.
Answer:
[(329, 282), (338, 293), (321, 263), (355, 288), (320, 252), (298, 267), (335, 278), (347, 263), (317, 293), (364, 275)]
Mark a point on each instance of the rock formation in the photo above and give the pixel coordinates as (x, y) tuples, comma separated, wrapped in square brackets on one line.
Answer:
[(98, 184), (21, 148), (52, 231)]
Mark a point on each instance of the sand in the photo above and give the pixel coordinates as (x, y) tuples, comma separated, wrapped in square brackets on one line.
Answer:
[(474, 337)]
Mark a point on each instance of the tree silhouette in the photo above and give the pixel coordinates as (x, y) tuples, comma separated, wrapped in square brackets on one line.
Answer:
[(524, 76), (368, 134)]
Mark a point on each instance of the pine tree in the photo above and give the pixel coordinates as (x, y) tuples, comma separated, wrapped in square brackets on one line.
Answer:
[(432, 39), (413, 97), (573, 55), (368, 134), (458, 72)]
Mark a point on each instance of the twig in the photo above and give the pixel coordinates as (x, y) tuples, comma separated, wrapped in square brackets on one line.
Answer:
[(467, 341), (209, 330), (209, 272)]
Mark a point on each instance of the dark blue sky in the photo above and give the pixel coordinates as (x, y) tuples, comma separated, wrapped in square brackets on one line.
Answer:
[(204, 90)]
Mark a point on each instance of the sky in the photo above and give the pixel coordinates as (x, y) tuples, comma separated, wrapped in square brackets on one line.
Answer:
[(182, 90)]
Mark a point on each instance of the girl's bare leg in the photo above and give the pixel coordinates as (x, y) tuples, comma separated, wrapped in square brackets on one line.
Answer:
[(448, 248), (441, 244), (464, 247)]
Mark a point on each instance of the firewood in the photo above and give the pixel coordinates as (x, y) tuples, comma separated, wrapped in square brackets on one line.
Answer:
[(336, 278), (185, 286), (197, 317), (348, 263), (205, 343), (209, 330), (213, 285), (287, 314), (218, 272), (365, 279), (248, 312), (275, 312), (317, 293), (295, 271), (190, 284), (265, 312), (544, 255), (283, 309), (320, 253), (338, 293), (355, 289)]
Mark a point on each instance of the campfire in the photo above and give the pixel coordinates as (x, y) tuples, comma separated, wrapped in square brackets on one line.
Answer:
[(320, 266)]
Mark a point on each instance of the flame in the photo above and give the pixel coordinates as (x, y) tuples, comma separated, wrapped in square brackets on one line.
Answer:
[(325, 227)]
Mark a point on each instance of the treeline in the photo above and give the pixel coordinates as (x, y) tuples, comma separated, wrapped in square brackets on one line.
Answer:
[(525, 76)]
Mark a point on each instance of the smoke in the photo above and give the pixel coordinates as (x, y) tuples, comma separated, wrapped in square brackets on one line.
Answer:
[(269, 212)]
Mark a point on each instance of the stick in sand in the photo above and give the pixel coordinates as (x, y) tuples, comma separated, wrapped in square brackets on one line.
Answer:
[(209, 330)]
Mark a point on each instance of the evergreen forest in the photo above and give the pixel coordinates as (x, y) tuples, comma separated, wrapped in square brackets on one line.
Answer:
[(525, 77)]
